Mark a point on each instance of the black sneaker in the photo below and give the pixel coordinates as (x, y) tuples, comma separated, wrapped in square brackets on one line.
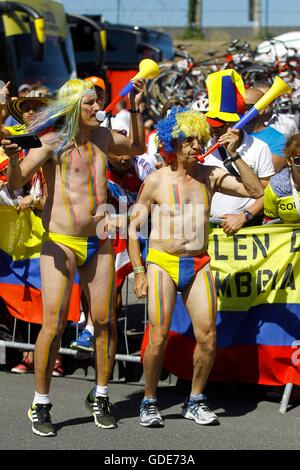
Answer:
[(101, 410), (150, 415), (40, 416)]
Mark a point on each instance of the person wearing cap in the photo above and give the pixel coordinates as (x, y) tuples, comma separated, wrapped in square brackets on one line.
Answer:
[(23, 110), (100, 88), (179, 196), (23, 90), (226, 105), (73, 158)]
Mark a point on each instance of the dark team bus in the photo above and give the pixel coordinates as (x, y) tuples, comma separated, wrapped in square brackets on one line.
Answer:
[(35, 43), (89, 42)]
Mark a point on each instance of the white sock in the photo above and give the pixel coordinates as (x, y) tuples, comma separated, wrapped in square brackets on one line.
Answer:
[(100, 391), (41, 399), (90, 328)]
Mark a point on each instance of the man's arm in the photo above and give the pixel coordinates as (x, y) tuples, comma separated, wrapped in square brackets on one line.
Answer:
[(138, 215), (21, 172), (232, 223), (135, 143), (4, 92), (248, 185)]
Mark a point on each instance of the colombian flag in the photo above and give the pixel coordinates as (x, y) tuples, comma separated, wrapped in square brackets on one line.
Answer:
[(257, 278), (20, 281)]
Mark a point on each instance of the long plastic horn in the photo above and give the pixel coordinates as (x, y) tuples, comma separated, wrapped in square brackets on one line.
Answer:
[(279, 87), (148, 68)]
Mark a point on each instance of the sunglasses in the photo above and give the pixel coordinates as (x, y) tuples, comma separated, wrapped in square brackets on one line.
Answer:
[(296, 160)]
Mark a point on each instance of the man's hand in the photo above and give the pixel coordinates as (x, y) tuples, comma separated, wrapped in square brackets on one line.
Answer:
[(4, 92), (140, 285), (24, 203), (231, 140), (11, 150), (137, 93), (232, 223)]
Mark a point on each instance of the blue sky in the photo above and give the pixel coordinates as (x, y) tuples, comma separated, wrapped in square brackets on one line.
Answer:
[(174, 12)]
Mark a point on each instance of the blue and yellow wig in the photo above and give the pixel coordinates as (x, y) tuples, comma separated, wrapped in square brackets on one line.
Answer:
[(62, 114), (180, 124)]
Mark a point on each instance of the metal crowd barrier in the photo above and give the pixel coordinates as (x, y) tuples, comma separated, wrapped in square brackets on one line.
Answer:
[(70, 352)]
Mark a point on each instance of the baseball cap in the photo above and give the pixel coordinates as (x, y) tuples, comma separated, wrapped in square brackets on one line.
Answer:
[(97, 81), (23, 87)]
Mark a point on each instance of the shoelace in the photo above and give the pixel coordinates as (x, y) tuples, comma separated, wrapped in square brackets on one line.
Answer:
[(104, 405), (194, 405), (43, 413), (150, 408)]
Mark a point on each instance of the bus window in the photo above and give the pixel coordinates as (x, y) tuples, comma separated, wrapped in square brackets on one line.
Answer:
[(52, 72), (121, 49), (20, 59)]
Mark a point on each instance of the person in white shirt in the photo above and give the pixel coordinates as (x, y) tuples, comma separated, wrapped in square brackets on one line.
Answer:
[(234, 212)]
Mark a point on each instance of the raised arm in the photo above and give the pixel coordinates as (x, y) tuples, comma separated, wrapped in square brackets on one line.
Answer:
[(248, 184), (4, 92), (139, 215), (135, 143), (21, 172)]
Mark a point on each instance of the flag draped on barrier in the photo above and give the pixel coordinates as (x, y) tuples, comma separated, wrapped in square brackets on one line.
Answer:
[(20, 279), (257, 278)]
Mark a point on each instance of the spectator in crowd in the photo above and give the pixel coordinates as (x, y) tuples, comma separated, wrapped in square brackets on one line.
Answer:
[(100, 89), (75, 191), (122, 118), (282, 122), (281, 199), (23, 90), (24, 111), (258, 128), (179, 262), (235, 212)]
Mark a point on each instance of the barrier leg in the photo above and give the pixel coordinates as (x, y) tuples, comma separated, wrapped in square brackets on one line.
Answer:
[(285, 398), (2, 352)]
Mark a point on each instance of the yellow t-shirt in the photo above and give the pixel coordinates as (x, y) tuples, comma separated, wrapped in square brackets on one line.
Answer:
[(279, 200)]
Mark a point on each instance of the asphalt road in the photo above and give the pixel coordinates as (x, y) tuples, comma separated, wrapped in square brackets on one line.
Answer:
[(249, 420)]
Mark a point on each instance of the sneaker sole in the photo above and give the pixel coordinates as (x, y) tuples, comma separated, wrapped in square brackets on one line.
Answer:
[(153, 424), (81, 348), (190, 416), (39, 433), (17, 371), (99, 425)]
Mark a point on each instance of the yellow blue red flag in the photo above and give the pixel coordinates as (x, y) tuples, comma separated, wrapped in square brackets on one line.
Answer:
[(20, 280)]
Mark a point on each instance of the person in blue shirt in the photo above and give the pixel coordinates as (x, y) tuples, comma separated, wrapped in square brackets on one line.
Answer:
[(258, 128)]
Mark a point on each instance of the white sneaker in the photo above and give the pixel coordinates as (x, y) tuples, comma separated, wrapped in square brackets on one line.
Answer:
[(150, 415), (200, 411)]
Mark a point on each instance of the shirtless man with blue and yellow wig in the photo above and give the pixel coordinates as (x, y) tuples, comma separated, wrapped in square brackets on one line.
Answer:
[(179, 196), (73, 158)]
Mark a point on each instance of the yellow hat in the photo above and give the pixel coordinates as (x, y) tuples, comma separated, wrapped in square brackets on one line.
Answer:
[(226, 97), (15, 106)]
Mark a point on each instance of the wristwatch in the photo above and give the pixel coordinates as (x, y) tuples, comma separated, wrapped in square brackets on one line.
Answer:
[(248, 214)]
